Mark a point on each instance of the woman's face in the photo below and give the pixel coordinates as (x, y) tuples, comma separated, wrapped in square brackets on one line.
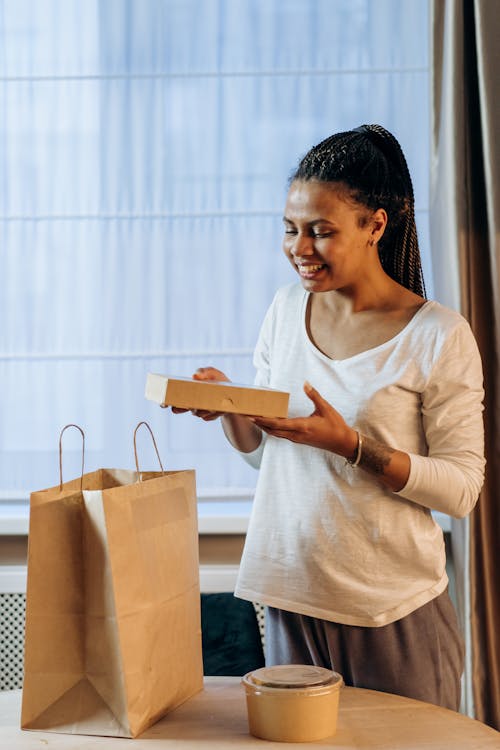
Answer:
[(329, 238)]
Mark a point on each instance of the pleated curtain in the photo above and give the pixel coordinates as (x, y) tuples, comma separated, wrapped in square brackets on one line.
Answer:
[(465, 231)]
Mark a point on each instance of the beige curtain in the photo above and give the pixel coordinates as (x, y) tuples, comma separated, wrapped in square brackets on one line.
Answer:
[(465, 228)]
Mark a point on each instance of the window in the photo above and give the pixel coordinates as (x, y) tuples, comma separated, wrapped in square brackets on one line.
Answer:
[(144, 155)]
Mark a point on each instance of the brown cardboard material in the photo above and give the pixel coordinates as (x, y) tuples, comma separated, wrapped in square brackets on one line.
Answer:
[(292, 702), (113, 622), (224, 397)]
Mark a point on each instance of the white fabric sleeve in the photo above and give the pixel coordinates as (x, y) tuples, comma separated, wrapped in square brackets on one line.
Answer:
[(261, 360), (450, 477), (255, 457)]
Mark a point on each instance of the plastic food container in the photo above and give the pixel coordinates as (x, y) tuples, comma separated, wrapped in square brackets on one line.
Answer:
[(292, 702)]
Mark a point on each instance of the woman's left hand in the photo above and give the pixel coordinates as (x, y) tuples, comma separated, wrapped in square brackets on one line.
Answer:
[(324, 428)]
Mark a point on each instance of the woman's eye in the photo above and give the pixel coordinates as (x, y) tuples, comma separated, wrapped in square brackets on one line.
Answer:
[(322, 235), (290, 231)]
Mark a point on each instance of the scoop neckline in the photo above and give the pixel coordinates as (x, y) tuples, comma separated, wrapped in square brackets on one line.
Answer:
[(367, 352)]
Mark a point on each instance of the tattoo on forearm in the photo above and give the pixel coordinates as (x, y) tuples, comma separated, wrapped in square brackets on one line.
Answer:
[(375, 456)]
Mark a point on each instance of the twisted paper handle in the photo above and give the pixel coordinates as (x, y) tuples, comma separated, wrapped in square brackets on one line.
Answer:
[(60, 455), (154, 443)]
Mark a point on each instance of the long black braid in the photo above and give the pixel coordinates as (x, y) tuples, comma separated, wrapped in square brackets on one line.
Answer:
[(370, 162)]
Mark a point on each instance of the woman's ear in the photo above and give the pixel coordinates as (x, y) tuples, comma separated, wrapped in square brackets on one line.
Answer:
[(378, 224)]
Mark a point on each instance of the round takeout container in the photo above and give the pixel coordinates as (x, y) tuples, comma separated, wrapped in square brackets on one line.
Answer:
[(292, 702)]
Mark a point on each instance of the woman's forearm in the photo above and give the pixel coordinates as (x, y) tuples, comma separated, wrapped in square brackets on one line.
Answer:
[(243, 434), (391, 466)]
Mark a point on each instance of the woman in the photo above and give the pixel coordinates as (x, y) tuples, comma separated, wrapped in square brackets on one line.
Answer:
[(385, 425)]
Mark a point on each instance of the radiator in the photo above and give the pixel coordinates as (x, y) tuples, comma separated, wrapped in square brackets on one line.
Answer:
[(12, 609)]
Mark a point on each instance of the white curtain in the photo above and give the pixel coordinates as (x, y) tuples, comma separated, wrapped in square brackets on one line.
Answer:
[(144, 153)]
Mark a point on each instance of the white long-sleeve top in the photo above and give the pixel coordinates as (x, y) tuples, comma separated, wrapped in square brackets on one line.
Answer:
[(329, 540)]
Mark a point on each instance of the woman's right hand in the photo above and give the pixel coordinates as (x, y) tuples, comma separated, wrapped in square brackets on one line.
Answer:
[(210, 374), (239, 430)]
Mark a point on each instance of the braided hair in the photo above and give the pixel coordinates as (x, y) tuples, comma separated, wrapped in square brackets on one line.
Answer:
[(370, 163)]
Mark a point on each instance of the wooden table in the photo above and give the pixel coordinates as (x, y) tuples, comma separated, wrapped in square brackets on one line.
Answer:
[(216, 719)]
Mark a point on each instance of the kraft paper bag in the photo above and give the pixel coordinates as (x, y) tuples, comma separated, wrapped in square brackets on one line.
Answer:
[(113, 626)]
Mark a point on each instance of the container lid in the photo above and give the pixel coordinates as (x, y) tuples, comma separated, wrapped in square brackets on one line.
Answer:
[(293, 676)]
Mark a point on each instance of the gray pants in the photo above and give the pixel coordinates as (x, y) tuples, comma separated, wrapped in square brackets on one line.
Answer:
[(420, 656)]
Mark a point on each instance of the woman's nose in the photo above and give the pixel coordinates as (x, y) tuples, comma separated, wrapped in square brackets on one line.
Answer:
[(302, 246)]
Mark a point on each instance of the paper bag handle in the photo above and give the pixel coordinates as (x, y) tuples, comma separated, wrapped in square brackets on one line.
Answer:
[(154, 443), (60, 455)]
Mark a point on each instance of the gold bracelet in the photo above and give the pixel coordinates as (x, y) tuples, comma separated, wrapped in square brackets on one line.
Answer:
[(355, 462)]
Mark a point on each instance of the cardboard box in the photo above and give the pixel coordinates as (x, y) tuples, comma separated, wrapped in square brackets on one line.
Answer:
[(225, 397)]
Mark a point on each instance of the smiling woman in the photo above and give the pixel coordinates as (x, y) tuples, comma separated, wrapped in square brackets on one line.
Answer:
[(328, 236), (341, 546)]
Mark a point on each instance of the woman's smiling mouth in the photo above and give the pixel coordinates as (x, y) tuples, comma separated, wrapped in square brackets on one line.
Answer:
[(309, 270)]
